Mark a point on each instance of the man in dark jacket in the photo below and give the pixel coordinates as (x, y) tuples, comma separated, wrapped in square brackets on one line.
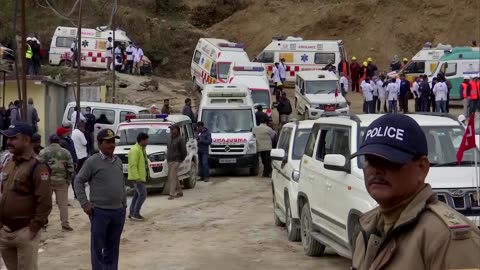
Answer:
[(424, 90), (89, 129), (284, 108), (404, 90), (187, 110), (67, 143), (176, 154), (166, 106), (259, 114), (204, 139)]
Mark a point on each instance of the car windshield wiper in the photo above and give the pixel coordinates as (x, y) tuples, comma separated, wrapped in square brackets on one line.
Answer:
[(453, 163)]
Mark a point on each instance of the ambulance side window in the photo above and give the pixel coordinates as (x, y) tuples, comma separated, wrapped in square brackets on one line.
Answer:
[(213, 70), (451, 69), (324, 58), (265, 57), (197, 56), (65, 42)]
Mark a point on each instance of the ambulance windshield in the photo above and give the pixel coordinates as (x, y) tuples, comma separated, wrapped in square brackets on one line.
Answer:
[(222, 71), (157, 134), (321, 87), (227, 120), (261, 98)]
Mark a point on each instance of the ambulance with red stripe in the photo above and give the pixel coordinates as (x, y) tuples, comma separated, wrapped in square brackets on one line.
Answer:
[(227, 111), (93, 50), (254, 76), (301, 55), (212, 59)]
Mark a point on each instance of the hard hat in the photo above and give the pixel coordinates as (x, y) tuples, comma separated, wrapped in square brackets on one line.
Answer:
[(405, 59), (466, 77), (461, 118), (369, 59), (29, 38), (279, 84), (354, 58), (365, 63)]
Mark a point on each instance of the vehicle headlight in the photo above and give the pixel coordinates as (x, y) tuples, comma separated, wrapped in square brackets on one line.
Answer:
[(252, 146), (295, 175), (157, 157), (342, 105)]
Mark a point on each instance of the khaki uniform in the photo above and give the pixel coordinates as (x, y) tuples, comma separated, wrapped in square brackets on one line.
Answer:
[(427, 235), (24, 209), (61, 166)]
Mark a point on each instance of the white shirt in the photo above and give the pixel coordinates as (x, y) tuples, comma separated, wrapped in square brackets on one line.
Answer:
[(283, 70), (130, 50), (440, 90), (108, 53), (381, 90), (137, 55), (415, 88), (73, 46), (74, 118), (393, 91), (344, 80), (367, 90), (398, 82), (374, 87), (276, 75), (80, 143)]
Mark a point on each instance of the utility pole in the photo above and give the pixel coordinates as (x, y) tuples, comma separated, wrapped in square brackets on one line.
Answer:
[(23, 66), (114, 59), (79, 59)]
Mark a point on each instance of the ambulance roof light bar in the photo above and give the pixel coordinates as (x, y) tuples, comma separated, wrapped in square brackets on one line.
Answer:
[(232, 45), (247, 68), (227, 94), (163, 116)]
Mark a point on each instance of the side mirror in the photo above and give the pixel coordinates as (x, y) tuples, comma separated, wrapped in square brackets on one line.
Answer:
[(274, 104), (277, 154), (117, 141), (335, 162), (302, 92)]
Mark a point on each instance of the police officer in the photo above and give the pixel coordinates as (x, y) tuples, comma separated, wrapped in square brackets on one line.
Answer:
[(410, 229), (26, 200), (61, 165)]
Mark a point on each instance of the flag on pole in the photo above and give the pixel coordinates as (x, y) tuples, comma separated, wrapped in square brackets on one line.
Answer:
[(468, 140)]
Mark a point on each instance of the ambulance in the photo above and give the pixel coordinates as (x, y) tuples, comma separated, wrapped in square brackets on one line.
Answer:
[(254, 76), (456, 65), (211, 61), (93, 42), (227, 111), (301, 55), (424, 62)]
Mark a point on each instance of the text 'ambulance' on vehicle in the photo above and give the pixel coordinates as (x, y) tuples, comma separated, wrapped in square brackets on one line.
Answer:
[(93, 50), (254, 76), (301, 55), (227, 111), (211, 60)]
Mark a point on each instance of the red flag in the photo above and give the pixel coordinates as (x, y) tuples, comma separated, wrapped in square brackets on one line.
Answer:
[(468, 140), (336, 92)]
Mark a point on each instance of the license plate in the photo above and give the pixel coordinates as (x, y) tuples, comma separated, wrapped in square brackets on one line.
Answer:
[(330, 108), (125, 168), (228, 160)]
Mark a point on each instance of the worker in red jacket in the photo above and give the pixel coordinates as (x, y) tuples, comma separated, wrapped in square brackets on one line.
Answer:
[(355, 74)]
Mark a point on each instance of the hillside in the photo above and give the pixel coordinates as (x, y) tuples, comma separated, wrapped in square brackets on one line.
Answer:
[(169, 29)]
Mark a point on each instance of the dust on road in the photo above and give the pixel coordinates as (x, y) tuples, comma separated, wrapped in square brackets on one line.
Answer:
[(224, 224)]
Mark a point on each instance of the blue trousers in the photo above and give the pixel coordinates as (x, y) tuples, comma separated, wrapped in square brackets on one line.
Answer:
[(106, 229), (138, 199), (203, 171)]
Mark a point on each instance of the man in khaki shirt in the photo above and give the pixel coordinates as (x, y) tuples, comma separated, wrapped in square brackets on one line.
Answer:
[(410, 229)]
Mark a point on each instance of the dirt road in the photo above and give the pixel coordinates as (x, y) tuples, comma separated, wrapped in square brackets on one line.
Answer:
[(224, 224)]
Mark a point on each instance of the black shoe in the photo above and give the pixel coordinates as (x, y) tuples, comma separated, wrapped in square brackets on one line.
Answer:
[(201, 179), (206, 180), (67, 228), (179, 195), (137, 217), (171, 197)]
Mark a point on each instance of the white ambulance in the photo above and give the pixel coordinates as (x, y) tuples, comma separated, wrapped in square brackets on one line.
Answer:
[(254, 76), (211, 61), (227, 111), (317, 92), (93, 42), (301, 55)]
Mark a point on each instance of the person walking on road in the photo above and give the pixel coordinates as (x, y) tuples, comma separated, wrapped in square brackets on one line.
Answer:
[(276, 77), (107, 202), (474, 101), (67, 143), (465, 91), (355, 74), (265, 136), (26, 200), (343, 67), (392, 93), (188, 111), (343, 84), (137, 172), (89, 129), (80, 143), (404, 91), (432, 102), (284, 108), (61, 165), (440, 91), (282, 71), (204, 140), (176, 154), (410, 228)]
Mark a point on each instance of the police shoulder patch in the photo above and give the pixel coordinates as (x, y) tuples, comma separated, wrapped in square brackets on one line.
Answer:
[(456, 224)]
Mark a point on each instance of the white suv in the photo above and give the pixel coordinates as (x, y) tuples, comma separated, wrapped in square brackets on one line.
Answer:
[(332, 193), (285, 162)]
